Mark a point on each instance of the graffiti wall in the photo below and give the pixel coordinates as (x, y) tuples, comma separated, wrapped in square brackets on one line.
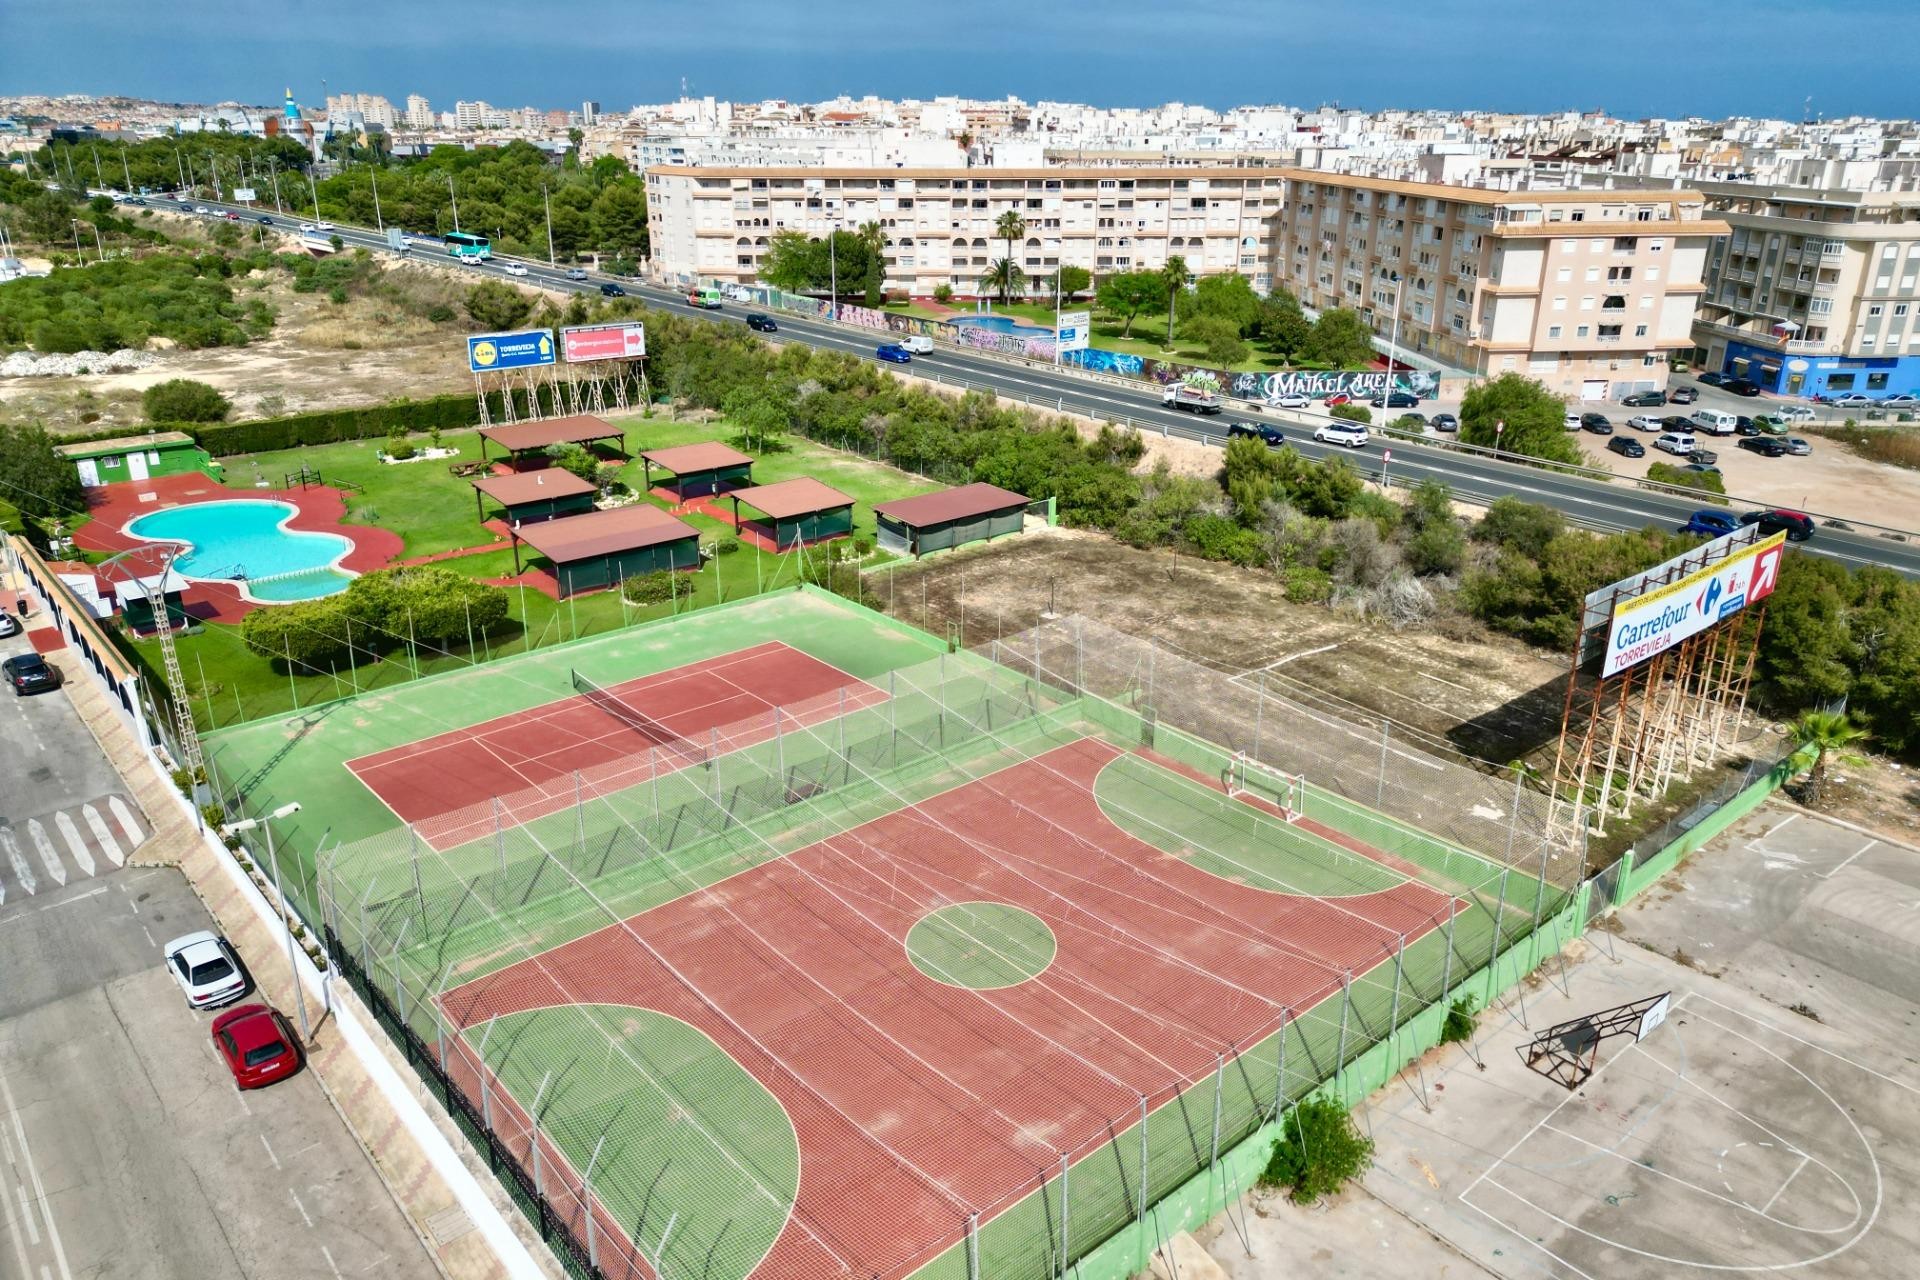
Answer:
[(1267, 388)]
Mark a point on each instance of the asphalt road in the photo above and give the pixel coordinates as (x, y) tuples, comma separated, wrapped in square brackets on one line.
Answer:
[(1596, 503)]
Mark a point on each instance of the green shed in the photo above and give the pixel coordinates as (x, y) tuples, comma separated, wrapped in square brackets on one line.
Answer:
[(949, 518), (532, 496), (697, 470), (799, 512), (604, 548), (159, 453)]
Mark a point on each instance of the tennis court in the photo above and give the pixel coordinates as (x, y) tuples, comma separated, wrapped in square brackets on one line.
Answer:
[(695, 712)]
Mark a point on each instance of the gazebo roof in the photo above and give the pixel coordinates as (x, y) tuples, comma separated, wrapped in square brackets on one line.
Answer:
[(524, 437), (785, 499), (602, 533), (523, 487), (686, 459), (951, 504)]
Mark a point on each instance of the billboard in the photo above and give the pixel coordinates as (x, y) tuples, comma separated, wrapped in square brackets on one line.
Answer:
[(1663, 617), (1600, 602), (1074, 329), (491, 352), (244, 195), (623, 341)]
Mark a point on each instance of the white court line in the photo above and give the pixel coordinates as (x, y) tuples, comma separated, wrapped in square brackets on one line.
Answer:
[(1782, 1031), (103, 836), (44, 844), (1804, 1161), (13, 1225), (1834, 871), (331, 1264), (1780, 826), (269, 1147), (70, 832), (308, 1218), (33, 1171), (26, 1214), (1710, 1194)]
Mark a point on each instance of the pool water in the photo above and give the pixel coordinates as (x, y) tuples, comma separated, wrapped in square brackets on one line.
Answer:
[(246, 540), (1001, 324)]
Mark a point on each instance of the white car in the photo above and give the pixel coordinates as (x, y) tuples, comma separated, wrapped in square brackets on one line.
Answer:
[(1350, 434), (1678, 443), (206, 970), (1294, 401), (513, 268), (1573, 422), (9, 625), (1645, 422), (918, 343), (200, 208), (308, 226), (1795, 413), (323, 226)]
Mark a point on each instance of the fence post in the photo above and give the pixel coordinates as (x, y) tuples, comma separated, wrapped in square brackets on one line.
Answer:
[(1446, 969), (1142, 1215), (1079, 660), (973, 1246), (1499, 914), (500, 848), (579, 818), (533, 1122), (1259, 711), (1219, 1082), (1393, 1017), (779, 750), (1063, 1215), (1380, 789), (1540, 893), (1280, 1065), (1346, 1003), (486, 1096), (586, 1202), (413, 856)]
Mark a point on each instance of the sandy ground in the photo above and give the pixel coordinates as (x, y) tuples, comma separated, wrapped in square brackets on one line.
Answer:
[(1447, 686), (1831, 481)]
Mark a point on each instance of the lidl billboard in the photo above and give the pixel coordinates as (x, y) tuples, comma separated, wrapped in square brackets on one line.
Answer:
[(1662, 618), (624, 341), (490, 352)]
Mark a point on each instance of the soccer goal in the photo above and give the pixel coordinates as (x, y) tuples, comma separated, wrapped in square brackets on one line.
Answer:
[(1249, 778)]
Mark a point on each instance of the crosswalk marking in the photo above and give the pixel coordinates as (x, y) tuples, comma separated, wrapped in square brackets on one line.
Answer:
[(70, 831), (103, 836), (48, 857), (78, 842)]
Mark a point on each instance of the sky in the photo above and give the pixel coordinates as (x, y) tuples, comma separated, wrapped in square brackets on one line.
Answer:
[(1630, 58)]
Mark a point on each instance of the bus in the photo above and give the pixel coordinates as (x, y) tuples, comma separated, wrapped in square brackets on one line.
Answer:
[(461, 244)]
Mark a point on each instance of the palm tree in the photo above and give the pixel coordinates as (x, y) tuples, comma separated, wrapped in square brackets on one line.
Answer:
[(1010, 227), (1827, 732), (1005, 275), (1177, 277)]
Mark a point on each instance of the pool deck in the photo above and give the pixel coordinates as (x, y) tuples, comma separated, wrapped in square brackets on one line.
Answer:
[(317, 510)]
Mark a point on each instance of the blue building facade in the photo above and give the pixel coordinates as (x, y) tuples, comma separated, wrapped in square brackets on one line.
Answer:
[(1816, 375)]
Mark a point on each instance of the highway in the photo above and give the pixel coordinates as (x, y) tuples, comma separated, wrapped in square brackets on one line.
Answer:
[(1592, 502)]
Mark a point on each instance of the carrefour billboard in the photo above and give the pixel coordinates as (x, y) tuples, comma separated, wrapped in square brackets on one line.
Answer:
[(626, 340), (1662, 618), (490, 352)]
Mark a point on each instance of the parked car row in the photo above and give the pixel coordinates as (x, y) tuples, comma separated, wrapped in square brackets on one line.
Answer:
[(253, 1040), (1715, 523)]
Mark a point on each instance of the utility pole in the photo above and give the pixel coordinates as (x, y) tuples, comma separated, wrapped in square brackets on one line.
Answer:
[(124, 170), (833, 269), (373, 175), (454, 199), (273, 170), (213, 168), (98, 177), (315, 189), (547, 199)]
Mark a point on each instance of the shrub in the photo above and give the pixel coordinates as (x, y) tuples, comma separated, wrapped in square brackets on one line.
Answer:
[(571, 457), (943, 293), (1318, 1151), (1459, 1024), (650, 588), (862, 546), (1215, 537), (1707, 482), (1352, 412), (726, 546), (309, 636), (184, 400), (439, 313), (398, 446), (434, 606), (1305, 584)]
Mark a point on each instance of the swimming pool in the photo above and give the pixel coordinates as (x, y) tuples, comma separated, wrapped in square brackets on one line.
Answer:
[(1001, 324), (246, 541)]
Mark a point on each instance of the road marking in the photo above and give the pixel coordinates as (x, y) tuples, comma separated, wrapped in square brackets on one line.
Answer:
[(22, 870), (150, 938), (13, 1228), (33, 1171), (302, 1208), (78, 897), (123, 815), (70, 832), (331, 1264), (103, 836), (26, 1214), (55, 869), (269, 1147)]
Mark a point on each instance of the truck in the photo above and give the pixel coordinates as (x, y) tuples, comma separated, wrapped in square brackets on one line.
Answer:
[(1193, 399)]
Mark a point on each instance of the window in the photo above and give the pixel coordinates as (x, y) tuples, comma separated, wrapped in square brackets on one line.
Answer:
[(1566, 274), (1646, 302), (1839, 382), (1593, 274), (1899, 308), (1876, 382), (1874, 310), (1560, 304), (1597, 246), (1609, 330), (1578, 215), (1619, 273), (1639, 331), (1614, 302), (1586, 303), (1868, 339), (1653, 273), (1566, 246), (1581, 332), (1653, 246)]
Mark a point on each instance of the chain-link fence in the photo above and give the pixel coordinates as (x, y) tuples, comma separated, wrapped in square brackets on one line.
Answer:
[(450, 926)]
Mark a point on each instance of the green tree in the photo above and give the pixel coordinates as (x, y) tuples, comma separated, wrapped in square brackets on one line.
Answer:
[(495, 305), (184, 400), (1318, 1151), (874, 275), (1341, 338), (1535, 419), (1283, 326), (1829, 733), (1223, 297), (1174, 277), (1072, 281), (34, 480), (1437, 540), (1010, 226), (1219, 337), (763, 417), (1005, 276), (618, 220), (791, 260), (1127, 294), (1524, 527), (310, 636)]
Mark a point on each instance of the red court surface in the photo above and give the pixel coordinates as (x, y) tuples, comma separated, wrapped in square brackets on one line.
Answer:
[(900, 1086), (529, 759)]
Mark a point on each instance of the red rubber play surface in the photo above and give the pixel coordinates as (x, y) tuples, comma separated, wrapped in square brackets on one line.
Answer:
[(899, 1085), (728, 700)]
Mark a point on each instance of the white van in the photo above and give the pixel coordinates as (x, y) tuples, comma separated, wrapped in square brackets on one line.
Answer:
[(918, 343), (1715, 422)]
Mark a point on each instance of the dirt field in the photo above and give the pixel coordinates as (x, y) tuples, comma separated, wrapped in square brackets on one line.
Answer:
[(1482, 696)]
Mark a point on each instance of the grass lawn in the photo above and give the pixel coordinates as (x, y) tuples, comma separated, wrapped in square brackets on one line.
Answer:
[(433, 511)]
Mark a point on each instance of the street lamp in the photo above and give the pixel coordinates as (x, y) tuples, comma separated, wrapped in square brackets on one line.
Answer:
[(454, 199), (1393, 337), (77, 251), (286, 923), (833, 269)]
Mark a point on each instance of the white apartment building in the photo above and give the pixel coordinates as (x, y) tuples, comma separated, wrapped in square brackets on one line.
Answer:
[(716, 223), (1813, 292), (419, 112), (1592, 293), (469, 115)]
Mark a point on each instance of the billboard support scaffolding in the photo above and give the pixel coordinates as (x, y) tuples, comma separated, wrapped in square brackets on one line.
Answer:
[(1658, 679)]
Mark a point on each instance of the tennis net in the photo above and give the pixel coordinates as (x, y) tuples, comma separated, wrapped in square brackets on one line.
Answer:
[(644, 725)]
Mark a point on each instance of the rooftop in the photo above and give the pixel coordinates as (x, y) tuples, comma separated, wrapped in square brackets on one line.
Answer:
[(603, 533), (122, 444), (524, 437), (789, 498), (951, 504), (688, 458), (523, 487)]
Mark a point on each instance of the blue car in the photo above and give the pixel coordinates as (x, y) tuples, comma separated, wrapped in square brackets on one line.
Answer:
[(893, 353), (1711, 524)]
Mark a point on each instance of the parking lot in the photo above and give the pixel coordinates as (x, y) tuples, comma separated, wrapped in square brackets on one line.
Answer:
[(125, 1149)]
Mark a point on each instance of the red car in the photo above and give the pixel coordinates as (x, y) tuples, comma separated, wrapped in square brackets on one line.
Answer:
[(1336, 399), (256, 1044)]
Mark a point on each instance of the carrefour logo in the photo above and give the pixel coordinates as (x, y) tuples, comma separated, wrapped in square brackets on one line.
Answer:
[(1711, 603), (485, 353), (1708, 598)]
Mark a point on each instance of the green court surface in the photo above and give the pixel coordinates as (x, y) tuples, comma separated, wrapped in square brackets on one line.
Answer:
[(302, 756), (1232, 840), (735, 1153), (981, 945)]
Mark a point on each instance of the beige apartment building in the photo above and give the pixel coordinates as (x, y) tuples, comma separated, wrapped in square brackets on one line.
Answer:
[(715, 224), (1813, 292), (1592, 293)]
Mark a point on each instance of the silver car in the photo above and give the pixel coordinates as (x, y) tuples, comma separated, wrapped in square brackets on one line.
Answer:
[(205, 969)]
